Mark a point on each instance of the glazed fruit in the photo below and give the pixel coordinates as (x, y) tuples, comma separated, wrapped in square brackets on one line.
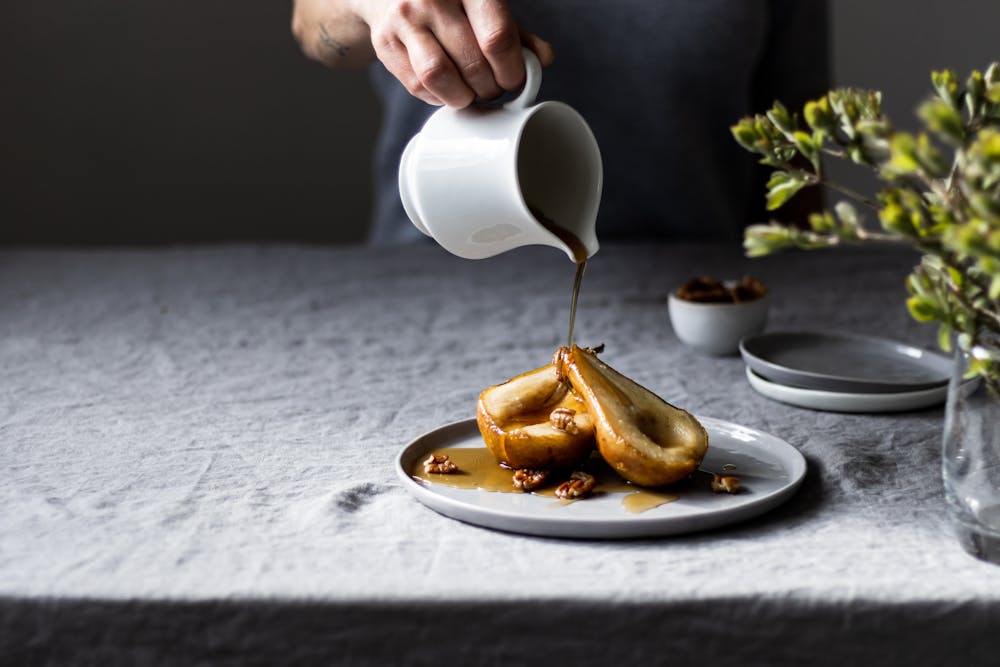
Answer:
[(645, 439), (535, 421)]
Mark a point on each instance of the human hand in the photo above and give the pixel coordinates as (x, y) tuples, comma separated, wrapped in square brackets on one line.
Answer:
[(450, 51)]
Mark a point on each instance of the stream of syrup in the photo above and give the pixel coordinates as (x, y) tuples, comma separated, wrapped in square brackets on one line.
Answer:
[(579, 258), (572, 304)]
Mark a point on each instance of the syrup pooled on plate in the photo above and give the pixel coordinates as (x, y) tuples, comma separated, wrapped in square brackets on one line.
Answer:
[(477, 469)]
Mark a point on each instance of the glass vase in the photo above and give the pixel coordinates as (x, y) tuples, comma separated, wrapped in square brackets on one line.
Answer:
[(971, 454)]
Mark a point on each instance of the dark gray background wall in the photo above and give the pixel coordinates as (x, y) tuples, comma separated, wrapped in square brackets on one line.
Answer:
[(158, 121), (892, 45)]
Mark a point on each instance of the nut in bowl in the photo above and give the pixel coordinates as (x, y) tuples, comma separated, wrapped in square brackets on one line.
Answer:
[(712, 316)]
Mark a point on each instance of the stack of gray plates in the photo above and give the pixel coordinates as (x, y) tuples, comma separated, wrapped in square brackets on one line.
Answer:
[(844, 372)]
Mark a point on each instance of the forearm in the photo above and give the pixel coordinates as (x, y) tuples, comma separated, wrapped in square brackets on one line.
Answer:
[(331, 32)]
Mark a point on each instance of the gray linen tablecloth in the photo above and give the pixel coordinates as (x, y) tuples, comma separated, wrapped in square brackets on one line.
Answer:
[(197, 448)]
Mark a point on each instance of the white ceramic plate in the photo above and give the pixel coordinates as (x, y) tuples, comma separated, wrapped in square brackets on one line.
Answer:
[(770, 471), (836, 401)]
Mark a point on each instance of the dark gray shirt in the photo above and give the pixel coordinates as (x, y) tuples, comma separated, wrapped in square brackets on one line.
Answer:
[(659, 82)]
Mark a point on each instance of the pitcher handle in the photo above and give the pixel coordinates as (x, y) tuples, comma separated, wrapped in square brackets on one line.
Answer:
[(532, 81)]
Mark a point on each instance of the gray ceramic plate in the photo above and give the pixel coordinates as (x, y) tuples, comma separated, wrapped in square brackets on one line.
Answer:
[(770, 471), (844, 362), (845, 401)]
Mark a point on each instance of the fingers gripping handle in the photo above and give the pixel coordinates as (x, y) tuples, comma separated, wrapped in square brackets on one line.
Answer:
[(532, 81)]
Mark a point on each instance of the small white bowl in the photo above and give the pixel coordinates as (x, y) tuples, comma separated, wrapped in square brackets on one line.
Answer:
[(717, 328)]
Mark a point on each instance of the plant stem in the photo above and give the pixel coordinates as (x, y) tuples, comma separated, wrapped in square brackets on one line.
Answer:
[(861, 199), (950, 182), (879, 237)]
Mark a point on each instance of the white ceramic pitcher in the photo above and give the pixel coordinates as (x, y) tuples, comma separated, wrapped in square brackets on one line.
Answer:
[(478, 179)]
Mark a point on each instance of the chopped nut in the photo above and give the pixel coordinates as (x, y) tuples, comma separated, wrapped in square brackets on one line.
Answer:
[(704, 290), (527, 479), (710, 290), (725, 483), (439, 464), (748, 289), (562, 419), (578, 485)]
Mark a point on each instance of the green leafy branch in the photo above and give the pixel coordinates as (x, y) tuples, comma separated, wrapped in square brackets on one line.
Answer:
[(941, 194)]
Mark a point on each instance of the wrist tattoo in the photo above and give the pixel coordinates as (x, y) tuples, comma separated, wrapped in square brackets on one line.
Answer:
[(332, 44)]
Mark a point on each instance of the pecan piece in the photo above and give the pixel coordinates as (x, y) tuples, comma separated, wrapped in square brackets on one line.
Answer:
[(748, 289), (704, 290), (527, 479), (725, 483), (562, 419), (578, 485), (439, 464)]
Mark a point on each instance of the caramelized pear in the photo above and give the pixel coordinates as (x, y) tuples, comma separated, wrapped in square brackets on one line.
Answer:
[(645, 439), (535, 421)]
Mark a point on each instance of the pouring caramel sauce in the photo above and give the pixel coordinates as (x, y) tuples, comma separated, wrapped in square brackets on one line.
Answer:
[(579, 258), (478, 469)]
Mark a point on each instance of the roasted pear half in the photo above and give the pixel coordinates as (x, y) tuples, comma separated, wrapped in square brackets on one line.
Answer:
[(645, 439), (535, 421)]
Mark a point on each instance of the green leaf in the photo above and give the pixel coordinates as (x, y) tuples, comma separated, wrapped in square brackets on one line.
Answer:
[(857, 154), (874, 135), (782, 120), (822, 222), (843, 111), (760, 240), (781, 188), (975, 93), (975, 368), (903, 156), (944, 337), (985, 205), (923, 309), (946, 84), (988, 144), (804, 143), (917, 284), (895, 218), (955, 275), (745, 134), (848, 216), (989, 265), (932, 162), (943, 119), (992, 74), (993, 93), (994, 292), (818, 116)]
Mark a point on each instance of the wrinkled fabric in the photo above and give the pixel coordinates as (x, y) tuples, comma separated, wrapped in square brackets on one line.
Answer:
[(197, 449)]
